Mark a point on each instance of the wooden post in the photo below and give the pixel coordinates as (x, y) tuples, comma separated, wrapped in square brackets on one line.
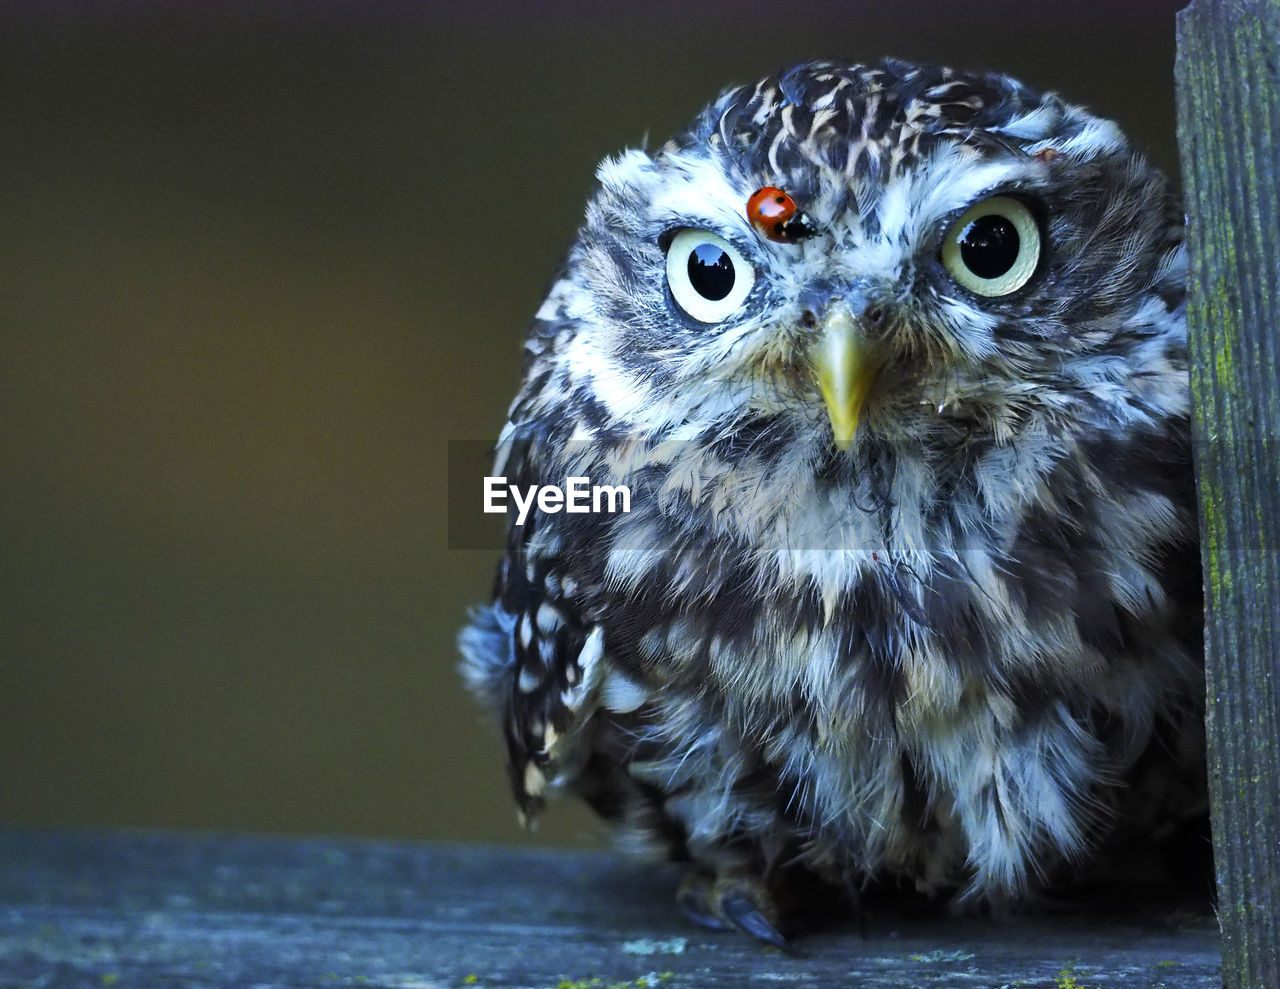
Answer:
[(1228, 77)]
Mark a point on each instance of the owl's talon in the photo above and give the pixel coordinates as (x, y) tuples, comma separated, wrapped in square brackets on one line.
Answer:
[(692, 898), (703, 918), (731, 900), (739, 908)]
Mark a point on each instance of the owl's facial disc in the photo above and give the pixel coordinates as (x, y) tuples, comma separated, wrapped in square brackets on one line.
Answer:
[(846, 364)]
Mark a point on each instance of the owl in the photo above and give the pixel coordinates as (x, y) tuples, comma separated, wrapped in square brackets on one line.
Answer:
[(891, 362)]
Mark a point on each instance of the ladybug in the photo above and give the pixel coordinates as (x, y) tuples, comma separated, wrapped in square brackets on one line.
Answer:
[(775, 215)]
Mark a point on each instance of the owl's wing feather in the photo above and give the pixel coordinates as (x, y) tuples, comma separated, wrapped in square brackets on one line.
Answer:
[(531, 656)]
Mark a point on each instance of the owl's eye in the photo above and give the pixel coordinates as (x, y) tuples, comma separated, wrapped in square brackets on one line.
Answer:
[(709, 278), (994, 248)]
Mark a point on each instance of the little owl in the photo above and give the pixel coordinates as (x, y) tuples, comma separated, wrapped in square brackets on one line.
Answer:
[(892, 360)]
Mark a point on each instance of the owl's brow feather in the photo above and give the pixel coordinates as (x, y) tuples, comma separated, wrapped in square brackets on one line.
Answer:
[(990, 137)]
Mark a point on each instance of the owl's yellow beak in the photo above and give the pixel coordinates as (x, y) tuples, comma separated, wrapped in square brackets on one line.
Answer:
[(846, 366)]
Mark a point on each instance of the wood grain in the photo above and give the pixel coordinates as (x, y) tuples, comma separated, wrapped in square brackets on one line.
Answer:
[(133, 909), (1228, 77)]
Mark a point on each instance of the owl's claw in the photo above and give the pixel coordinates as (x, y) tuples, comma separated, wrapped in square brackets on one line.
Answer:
[(731, 900), (742, 911), (693, 898)]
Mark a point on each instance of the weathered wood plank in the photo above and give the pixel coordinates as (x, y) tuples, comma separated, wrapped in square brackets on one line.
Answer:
[(147, 909), (1228, 73)]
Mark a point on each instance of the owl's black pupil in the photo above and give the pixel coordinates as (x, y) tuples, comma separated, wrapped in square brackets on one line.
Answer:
[(710, 272), (989, 245)]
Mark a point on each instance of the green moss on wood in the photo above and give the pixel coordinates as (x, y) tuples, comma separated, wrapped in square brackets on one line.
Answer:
[(1229, 130)]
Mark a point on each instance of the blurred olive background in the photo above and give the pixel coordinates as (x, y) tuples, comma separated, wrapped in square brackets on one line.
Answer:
[(258, 264)]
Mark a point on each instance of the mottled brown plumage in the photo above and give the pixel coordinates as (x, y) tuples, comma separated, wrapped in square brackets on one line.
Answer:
[(908, 587)]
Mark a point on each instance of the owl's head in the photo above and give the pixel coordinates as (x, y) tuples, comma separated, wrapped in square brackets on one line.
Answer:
[(970, 259)]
